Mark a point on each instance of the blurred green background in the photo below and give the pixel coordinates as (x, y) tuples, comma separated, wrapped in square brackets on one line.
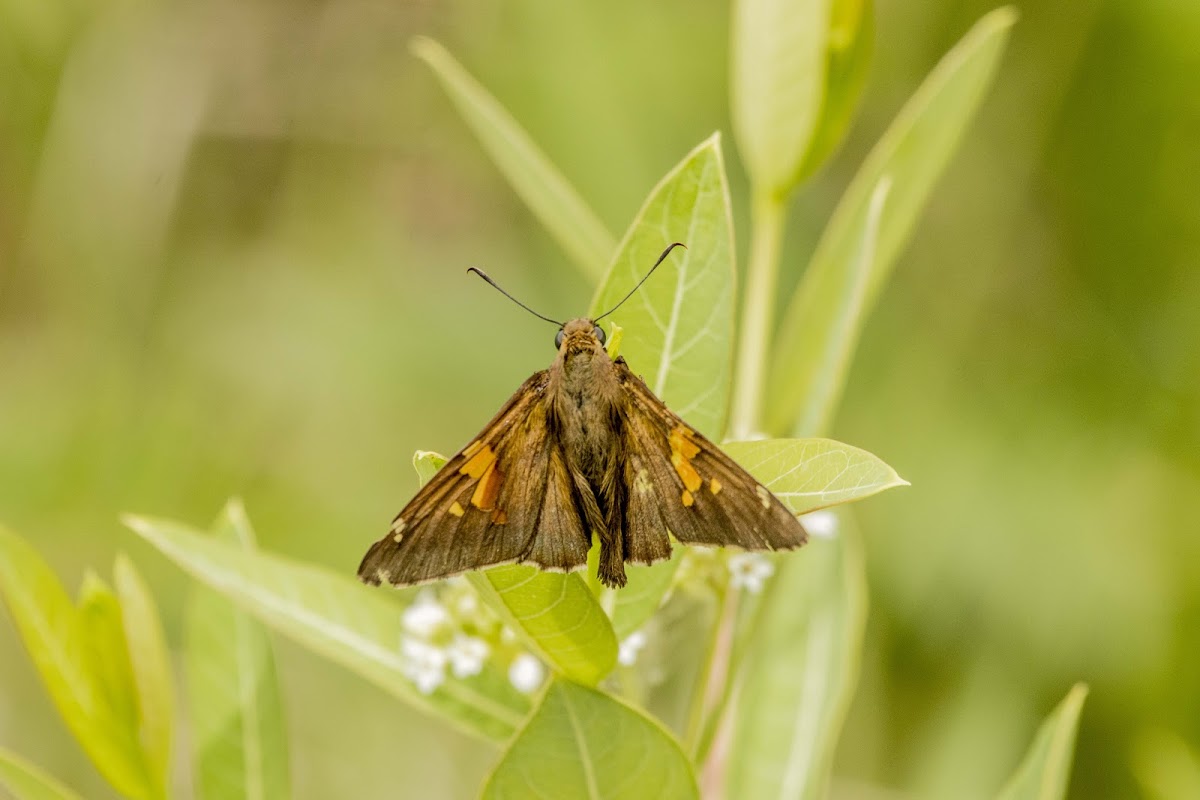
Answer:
[(232, 248)]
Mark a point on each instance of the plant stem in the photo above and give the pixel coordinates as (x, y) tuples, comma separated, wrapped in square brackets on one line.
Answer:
[(768, 214), (711, 683)]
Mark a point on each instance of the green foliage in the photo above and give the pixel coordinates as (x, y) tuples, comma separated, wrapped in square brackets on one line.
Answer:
[(26, 782), (800, 673), (1047, 766), (911, 154), (783, 657), (581, 743), (338, 617), (238, 737), (87, 663)]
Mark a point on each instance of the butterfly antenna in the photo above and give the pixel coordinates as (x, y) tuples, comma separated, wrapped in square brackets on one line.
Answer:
[(661, 258), (496, 286)]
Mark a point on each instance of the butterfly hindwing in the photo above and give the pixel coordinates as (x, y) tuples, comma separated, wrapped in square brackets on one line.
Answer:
[(679, 481), (504, 497)]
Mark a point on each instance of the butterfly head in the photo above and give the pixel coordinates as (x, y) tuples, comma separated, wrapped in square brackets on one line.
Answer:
[(579, 335)]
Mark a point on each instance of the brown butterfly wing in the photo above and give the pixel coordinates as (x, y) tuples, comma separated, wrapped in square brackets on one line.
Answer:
[(504, 497), (679, 481)]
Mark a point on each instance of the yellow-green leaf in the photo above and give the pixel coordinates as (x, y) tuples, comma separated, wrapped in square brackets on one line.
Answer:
[(912, 153), (536, 180), (679, 325), (150, 662), (582, 743), (556, 614), (27, 782), (338, 617), (1044, 773), (238, 735), (807, 474), (64, 647)]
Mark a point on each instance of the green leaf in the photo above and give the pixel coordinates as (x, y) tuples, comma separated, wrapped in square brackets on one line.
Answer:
[(150, 662), (913, 153), (581, 743), (679, 324), (553, 201), (339, 618), (678, 327), (239, 738), (1044, 773), (62, 641), (777, 85), (821, 376), (632, 606), (807, 474), (800, 674), (556, 614), (24, 781)]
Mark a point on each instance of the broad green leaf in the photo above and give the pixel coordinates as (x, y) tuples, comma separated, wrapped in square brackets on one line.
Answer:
[(799, 676), (808, 474), (555, 613), (24, 781), (238, 733), (678, 327), (339, 618), (150, 662), (912, 153), (634, 604), (777, 85), (62, 645), (1044, 773), (679, 324), (822, 376), (552, 199), (582, 743)]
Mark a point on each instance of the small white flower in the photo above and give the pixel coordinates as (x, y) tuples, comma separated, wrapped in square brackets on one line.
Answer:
[(526, 673), (749, 571), (466, 605), (823, 524), (425, 616), (467, 655), (508, 635), (425, 664), (628, 652)]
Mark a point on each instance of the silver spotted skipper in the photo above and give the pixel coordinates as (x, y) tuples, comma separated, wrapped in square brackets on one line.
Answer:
[(583, 448)]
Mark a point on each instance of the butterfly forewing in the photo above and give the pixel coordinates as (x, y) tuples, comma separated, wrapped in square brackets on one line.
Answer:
[(504, 497), (679, 481)]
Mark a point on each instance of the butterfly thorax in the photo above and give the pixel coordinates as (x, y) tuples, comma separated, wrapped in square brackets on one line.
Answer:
[(586, 393)]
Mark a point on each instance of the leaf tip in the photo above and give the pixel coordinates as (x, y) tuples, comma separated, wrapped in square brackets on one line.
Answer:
[(425, 48)]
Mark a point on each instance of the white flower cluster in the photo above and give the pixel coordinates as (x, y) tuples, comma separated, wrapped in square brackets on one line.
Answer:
[(446, 630)]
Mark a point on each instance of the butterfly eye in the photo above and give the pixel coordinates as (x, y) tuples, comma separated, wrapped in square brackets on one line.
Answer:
[(598, 332), (558, 337)]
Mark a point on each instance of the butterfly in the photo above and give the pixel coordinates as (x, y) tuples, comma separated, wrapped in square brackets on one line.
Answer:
[(582, 449)]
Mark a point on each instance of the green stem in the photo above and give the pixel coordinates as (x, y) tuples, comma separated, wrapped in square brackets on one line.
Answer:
[(768, 214), (713, 682)]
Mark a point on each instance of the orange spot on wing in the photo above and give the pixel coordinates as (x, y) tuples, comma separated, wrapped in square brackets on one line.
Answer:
[(714, 486), (478, 460), (688, 498), (456, 509), (681, 442), (687, 473), (488, 488), (499, 517)]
